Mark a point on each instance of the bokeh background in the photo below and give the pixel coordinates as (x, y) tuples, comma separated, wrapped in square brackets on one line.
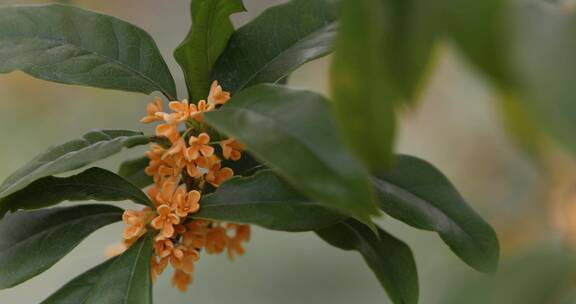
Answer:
[(457, 126)]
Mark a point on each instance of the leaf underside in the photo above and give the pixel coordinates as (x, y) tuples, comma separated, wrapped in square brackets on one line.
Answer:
[(94, 145)]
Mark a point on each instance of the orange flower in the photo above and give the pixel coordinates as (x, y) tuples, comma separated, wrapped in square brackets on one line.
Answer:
[(188, 203), (158, 265), (217, 95), (165, 193), (217, 176), (181, 280), (197, 112), (165, 221), (235, 243), (169, 131), (216, 240), (155, 156), (151, 110), (136, 223), (199, 145), (231, 149), (183, 259), (181, 110), (175, 155), (163, 248)]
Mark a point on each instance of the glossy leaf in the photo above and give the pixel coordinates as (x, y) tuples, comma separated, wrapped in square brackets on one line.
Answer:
[(128, 278), (277, 42), (92, 184), (77, 290), (274, 122), (418, 194), (207, 39), (364, 95), (390, 259), (31, 242), (93, 146), (265, 200), (133, 171), (69, 45)]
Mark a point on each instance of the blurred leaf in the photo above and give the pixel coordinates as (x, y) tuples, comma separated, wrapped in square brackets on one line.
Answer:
[(93, 146), (522, 125), (411, 30), (133, 171), (92, 184), (128, 278), (364, 98), (31, 242), (77, 290), (207, 39), (534, 277), (265, 200), (274, 122), (480, 30), (69, 45), (390, 259), (543, 57), (418, 194), (276, 43)]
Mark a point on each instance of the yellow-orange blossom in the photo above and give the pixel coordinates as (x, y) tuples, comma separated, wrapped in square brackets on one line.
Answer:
[(180, 171)]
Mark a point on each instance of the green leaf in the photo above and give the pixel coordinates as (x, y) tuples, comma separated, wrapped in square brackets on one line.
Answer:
[(133, 171), (421, 196), (128, 279), (77, 290), (31, 242), (364, 96), (69, 45), (93, 146), (276, 43), (543, 59), (480, 30), (265, 200), (92, 184), (390, 259), (207, 39), (275, 122)]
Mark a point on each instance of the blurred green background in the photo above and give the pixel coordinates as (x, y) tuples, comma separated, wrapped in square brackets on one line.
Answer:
[(457, 127)]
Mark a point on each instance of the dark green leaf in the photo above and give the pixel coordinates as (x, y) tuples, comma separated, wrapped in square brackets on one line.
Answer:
[(31, 242), (128, 278), (207, 39), (70, 45), (92, 184), (133, 171), (277, 42), (76, 291), (293, 132), (418, 194), (390, 259), (94, 145), (265, 200), (364, 96)]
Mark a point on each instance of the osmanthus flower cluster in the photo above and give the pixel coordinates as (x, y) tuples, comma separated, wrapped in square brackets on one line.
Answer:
[(181, 170)]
